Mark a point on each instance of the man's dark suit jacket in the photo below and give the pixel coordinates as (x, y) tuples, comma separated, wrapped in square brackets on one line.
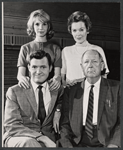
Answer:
[(21, 114), (108, 123)]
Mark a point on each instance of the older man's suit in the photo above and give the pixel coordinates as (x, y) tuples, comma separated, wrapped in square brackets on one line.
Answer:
[(21, 114), (108, 123)]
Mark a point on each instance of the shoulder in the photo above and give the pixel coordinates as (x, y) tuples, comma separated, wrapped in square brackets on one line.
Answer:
[(13, 90), (111, 83), (96, 47), (52, 44), (113, 86), (55, 48), (74, 89), (27, 45), (68, 49)]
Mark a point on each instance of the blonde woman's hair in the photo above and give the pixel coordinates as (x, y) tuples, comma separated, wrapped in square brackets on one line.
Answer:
[(44, 18)]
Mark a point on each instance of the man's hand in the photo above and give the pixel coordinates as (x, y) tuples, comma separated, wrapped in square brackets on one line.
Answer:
[(47, 141), (112, 146), (24, 82), (56, 119)]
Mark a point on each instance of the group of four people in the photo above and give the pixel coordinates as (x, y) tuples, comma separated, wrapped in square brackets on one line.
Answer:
[(64, 110)]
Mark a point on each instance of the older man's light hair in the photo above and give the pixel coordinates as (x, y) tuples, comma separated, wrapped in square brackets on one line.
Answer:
[(100, 56)]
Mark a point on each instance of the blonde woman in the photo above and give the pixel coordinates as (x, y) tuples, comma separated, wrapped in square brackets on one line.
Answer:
[(39, 27)]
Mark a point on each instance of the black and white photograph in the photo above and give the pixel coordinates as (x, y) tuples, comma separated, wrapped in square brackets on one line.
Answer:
[(61, 73)]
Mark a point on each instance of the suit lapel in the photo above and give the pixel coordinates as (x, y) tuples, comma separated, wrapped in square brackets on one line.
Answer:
[(102, 98), (53, 100), (76, 107), (52, 104), (31, 98)]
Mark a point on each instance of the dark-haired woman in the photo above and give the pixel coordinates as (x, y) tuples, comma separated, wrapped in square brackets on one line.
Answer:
[(79, 26)]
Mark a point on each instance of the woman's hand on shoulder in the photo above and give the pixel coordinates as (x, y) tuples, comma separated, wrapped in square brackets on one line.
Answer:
[(24, 82), (55, 83), (70, 82)]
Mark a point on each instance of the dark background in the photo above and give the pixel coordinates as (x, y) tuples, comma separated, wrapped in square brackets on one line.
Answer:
[(105, 18)]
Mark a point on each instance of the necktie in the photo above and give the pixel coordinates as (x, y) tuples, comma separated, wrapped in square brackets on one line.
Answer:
[(89, 119), (41, 110)]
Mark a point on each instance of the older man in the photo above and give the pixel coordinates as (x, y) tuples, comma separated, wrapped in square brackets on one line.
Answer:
[(91, 108), (29, 113)]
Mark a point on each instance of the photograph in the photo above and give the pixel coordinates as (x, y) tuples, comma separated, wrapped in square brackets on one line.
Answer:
[(61, 73)]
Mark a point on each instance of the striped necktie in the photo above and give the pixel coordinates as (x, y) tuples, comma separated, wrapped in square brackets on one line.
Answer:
[(41, 110), (89, 119)]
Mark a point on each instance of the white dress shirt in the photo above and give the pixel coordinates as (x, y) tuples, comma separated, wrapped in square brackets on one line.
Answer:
[(46, 94), (96, 90)]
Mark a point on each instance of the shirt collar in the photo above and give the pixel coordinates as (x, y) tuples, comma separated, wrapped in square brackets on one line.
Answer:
[(97, 84), (35, 85), (85, 43)]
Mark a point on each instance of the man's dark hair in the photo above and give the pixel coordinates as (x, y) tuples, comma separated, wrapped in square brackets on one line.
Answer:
[(39, 54)]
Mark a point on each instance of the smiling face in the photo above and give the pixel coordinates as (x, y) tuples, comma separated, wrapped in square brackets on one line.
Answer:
[(79, 32), (92, 65), (40, 27), (39, 70)]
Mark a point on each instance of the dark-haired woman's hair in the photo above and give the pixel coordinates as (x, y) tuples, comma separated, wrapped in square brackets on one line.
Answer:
[(79, 16)]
